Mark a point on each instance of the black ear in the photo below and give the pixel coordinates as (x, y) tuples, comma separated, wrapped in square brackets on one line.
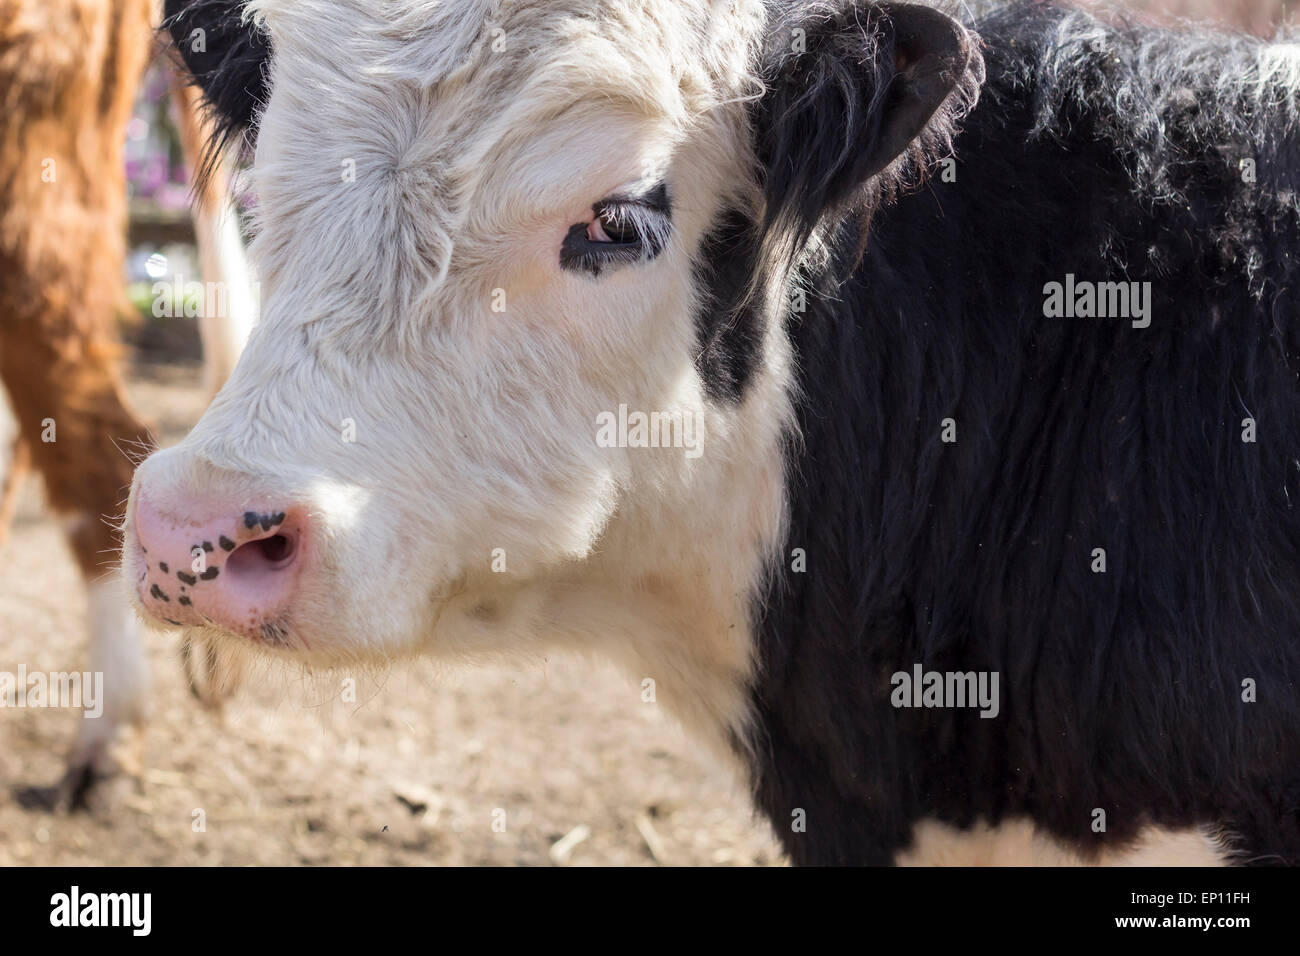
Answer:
[(226, 55), (851, 88)]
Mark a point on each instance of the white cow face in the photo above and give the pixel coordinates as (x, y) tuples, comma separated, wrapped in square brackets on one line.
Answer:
[(489, 236)]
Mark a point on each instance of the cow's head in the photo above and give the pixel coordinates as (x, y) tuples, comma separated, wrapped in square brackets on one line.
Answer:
[(491, 235)]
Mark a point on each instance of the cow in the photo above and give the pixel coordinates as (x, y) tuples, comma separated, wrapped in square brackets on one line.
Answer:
[(906, 396), (69, 73)]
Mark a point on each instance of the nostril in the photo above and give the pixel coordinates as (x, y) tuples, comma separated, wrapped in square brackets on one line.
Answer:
[(273, 553), (277, 548)]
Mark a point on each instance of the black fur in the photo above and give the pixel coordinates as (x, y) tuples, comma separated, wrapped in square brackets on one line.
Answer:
[(838, 111), (231, 67), (728, 326), (1110, 153)]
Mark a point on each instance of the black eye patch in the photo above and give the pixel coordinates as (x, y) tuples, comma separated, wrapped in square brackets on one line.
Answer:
[(228, 57), (657, 200), (646, 218)]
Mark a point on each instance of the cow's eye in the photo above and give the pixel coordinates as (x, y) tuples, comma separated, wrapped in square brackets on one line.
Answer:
[(613, 223), (624, 228)]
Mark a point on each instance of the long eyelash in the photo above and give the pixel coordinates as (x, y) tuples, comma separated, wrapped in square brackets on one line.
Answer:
[(652, 225), (649, 214)]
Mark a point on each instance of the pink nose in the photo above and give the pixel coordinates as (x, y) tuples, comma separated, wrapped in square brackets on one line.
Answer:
[(237, 571)]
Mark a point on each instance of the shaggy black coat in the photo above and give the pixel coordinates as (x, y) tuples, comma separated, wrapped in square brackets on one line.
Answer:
[(1115, 154)]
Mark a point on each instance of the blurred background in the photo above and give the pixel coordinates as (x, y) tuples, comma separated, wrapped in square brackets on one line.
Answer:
[(161, 232), (553, 761), (1260, 17)]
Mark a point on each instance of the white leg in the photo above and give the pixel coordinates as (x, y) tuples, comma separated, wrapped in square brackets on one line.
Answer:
[(117, 652), (12, 464), (229, 316)]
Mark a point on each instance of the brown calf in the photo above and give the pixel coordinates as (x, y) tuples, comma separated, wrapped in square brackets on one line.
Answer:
[(69, 73)]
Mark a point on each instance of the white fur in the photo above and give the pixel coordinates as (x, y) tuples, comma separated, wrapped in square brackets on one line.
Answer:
[(475, 429), (1019, 843), (117, 651), (224, 331)]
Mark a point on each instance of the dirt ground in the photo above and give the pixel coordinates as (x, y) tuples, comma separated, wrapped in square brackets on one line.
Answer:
[(411, 774)]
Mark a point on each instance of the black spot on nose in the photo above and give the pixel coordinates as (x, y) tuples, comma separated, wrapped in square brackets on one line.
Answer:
[(162, 566), (209, 574), (207, 546), (157, 593), (187, 578), (184, 601), (267, 521), (226, 543)]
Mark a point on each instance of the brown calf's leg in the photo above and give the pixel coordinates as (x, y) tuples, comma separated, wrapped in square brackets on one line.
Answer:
[(69, 70), (16, 465), (69, 404)]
